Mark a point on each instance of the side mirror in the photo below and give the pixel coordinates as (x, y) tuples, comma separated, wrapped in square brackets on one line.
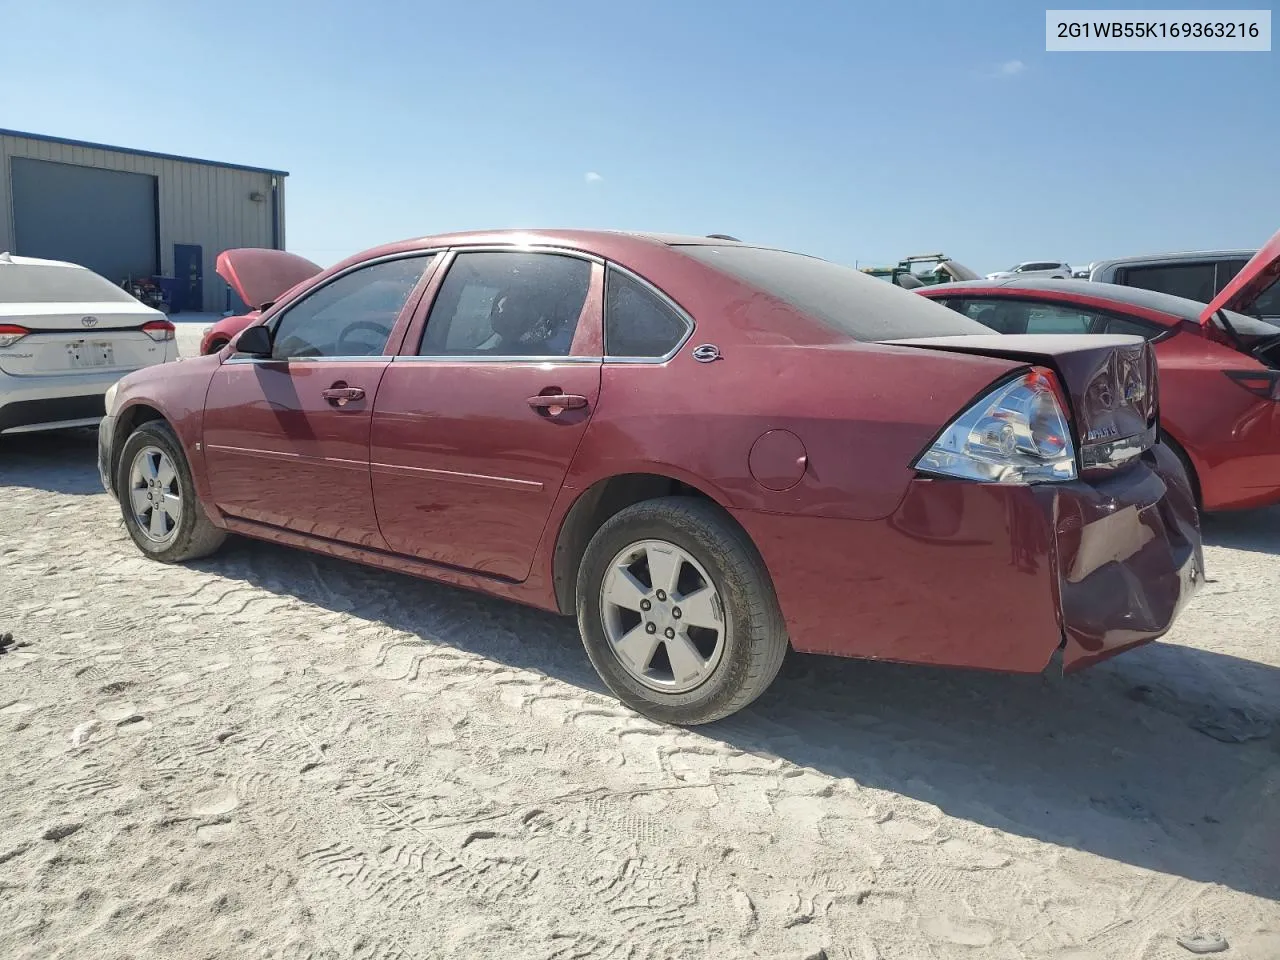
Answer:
[(255, 341)]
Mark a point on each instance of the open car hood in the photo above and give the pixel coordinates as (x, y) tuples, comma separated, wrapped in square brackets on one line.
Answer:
[(958, 271), (260, 276), (1253, 280)]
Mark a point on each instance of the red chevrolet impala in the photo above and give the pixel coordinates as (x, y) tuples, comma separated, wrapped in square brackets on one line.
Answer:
[(706, 451), (1219, 362)]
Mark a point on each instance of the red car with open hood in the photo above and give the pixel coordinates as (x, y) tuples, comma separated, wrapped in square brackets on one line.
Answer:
[(259, 277), (706, 451), (1219, 363)]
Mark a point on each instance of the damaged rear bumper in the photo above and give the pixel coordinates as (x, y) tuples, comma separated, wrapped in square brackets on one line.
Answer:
[(1129, 557), (991, 576)]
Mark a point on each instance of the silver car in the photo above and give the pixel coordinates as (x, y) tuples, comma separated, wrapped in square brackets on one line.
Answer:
[(1195, 275), (66, 335)]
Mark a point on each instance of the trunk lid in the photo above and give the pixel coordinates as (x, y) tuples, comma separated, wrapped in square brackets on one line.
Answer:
[(260, 276), (1247, 287), (1110, 381), (80, 338)]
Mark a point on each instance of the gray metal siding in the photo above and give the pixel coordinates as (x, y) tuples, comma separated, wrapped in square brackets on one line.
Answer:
[(198, 203), (102, 219)]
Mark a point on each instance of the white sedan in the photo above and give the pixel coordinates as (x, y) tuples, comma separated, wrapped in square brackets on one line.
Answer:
[(66, 335), (1034, 268)]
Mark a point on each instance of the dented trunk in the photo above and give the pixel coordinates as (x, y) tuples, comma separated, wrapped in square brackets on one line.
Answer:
[(1124, 538), (1111, 384)]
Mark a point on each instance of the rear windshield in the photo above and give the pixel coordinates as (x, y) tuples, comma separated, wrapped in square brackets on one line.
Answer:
[(47, 283), (845, 299)]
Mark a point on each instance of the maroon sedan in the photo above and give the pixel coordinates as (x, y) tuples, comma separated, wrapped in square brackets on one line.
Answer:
[(707, 451)]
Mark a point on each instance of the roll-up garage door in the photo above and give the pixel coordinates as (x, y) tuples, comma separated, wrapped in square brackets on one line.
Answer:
[(101, 219)]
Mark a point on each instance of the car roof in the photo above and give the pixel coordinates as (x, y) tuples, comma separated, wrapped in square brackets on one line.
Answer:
[(573, 239), (1167, 303), (1178, 256), (13, 259)]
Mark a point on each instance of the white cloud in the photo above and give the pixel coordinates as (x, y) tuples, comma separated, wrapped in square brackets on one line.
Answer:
[(1010, 68), (593, 177)]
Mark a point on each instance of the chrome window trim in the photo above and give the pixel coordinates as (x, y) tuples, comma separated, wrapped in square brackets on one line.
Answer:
[(680, 312), (488, 358), (236, 358), (518, 358), (529, 248)]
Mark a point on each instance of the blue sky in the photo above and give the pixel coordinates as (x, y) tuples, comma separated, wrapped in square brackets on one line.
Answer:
[(856, 131)]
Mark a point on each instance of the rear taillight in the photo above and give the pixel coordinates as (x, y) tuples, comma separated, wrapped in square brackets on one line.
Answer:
[(1262, 383), (1017, 433), (11, 333), (159, 330)]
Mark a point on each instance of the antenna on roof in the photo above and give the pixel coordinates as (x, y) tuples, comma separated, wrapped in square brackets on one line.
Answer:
[(722, 236)]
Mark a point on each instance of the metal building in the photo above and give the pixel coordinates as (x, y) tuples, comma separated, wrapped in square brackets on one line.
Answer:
[(135, 214)]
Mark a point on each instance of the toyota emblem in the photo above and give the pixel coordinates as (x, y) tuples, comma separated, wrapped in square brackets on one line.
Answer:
[(89, 321)]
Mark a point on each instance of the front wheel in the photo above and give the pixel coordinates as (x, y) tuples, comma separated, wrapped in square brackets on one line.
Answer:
[(158, 497), (677, 611)]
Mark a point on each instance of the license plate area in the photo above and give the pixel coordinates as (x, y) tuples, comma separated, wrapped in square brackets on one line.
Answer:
[(85, 354)]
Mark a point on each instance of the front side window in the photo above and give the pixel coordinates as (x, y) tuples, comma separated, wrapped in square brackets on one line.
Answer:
[(507, 305), (637, 322), (351, 316)]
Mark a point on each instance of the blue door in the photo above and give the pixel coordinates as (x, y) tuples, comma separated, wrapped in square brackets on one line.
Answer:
[(188, 269)]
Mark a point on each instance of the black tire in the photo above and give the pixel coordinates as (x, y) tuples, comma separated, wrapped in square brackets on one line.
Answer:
[(216, 345), (1187, 465), (195, 535), (754, 641)]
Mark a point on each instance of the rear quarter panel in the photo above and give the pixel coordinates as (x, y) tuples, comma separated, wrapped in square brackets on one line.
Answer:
[(858, 414)]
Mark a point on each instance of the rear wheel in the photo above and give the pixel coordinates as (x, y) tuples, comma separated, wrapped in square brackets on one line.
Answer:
[(158, 497), (1187, 465), (677, 611)]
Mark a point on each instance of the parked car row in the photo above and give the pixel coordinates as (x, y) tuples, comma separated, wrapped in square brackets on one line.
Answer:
[(708, 452)]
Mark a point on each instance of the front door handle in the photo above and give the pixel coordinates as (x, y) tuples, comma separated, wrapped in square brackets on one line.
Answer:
[(554, 404), (340, 394)]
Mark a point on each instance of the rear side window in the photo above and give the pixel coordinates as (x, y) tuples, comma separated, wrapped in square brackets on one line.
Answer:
[(507, 305), (1039, 265), (637, 322), (844, 299), (1195, 281), (54, 283)]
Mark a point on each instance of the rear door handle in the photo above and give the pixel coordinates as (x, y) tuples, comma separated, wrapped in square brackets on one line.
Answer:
[(340, 394), (556, 403)]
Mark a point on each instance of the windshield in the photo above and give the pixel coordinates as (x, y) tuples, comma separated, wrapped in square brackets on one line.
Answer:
[(845, 299), (56, 283), (1249, 328), (1268, 303)]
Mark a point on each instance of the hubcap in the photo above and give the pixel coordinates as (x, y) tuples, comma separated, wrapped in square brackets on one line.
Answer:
[(154, 494), (662, 616)]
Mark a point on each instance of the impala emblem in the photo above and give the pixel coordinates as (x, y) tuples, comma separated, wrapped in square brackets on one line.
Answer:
[(89, 321), (706, 353)]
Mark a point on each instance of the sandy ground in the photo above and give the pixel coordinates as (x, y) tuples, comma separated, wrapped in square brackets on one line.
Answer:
[(270, 754)]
